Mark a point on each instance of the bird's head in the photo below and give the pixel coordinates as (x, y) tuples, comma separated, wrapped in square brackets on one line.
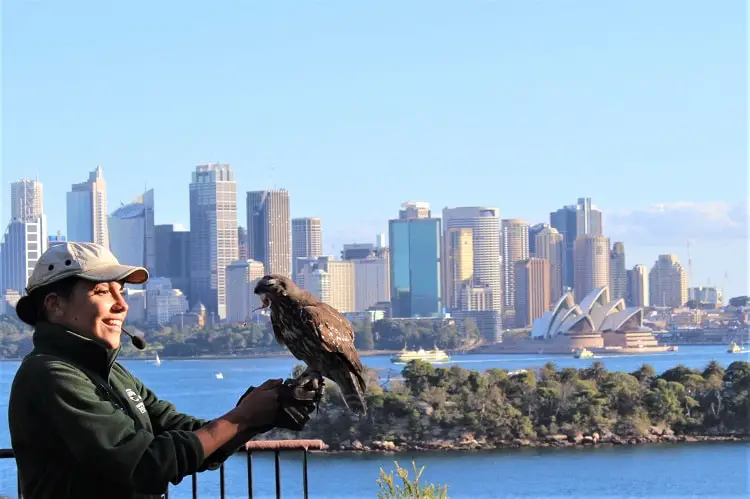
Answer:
[(272, 287)]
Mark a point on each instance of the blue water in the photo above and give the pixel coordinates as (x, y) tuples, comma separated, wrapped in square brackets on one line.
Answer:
[(688, 470)]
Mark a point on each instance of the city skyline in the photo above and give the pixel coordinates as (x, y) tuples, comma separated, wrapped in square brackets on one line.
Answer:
[(526, 224), (577, 105)]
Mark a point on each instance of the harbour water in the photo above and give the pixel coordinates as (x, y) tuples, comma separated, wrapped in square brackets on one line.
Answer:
[(687, 470)]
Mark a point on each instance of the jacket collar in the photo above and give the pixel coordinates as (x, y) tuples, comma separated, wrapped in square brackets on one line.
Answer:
[(57, 340)]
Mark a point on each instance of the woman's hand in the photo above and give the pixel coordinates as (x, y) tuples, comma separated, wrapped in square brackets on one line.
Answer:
[(261, 406)]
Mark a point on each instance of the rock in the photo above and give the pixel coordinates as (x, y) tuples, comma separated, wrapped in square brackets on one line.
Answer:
[(667, 431), (588, 440), (558, 437), (357, 445), (521, 442), (578, 438)]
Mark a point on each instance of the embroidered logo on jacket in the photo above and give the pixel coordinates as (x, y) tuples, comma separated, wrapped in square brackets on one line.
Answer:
[(136, 400)]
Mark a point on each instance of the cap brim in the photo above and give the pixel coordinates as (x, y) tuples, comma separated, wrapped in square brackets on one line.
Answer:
[(127, 273)]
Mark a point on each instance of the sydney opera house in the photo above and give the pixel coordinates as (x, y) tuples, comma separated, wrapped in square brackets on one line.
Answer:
[(595, 323)]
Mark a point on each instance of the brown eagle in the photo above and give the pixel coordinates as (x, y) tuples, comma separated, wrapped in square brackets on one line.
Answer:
[(316, 334)]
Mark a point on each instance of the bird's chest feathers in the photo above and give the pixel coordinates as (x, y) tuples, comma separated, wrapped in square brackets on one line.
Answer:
[(288, 331)]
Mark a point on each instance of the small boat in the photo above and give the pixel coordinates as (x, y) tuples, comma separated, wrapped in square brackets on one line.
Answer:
[(219, 376), (672, 348), (734, 348), (583, 353), (157, 361), (434, 355)]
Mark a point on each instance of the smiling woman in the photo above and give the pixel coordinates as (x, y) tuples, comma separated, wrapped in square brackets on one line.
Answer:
[(81, 425)]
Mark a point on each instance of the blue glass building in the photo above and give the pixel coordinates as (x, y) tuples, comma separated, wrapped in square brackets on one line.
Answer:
[(415, 267)]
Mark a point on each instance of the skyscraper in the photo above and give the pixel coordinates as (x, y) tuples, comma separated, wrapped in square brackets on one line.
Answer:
[(132, 236), (213, 234), (26, 199), (172, 256), (307, 240), (458, 264), (22, 245), (87, 210), (667, 283), (484, 223), (515, 249), (574, 221), (591, 264), (242, 242), (533, 231), (269, 232), (415, 262), (638, 293), (549, 245), (242, 276), (618, 276), (532, 290)]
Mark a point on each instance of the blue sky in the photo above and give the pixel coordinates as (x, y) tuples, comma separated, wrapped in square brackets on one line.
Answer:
[(355, 107)]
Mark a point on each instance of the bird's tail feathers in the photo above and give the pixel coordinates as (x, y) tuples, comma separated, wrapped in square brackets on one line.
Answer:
[(352, 388)]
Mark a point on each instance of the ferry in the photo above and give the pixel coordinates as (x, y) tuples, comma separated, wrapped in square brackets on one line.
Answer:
[(583, 353), (734, 348), (434, 355)]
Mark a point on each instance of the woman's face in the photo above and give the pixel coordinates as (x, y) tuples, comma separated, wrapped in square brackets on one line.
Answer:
[(94, 310)]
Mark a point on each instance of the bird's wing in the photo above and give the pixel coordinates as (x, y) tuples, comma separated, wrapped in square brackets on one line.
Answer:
[(336, 334)]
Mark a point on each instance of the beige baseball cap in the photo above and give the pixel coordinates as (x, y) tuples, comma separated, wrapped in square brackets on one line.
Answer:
[(89, 261)]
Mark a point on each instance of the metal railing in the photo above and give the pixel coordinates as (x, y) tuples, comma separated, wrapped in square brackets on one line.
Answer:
[(252, 447)]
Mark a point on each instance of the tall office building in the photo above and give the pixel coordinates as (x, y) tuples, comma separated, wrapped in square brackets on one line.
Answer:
[(242, 242), (26, 200), (481, 299), (242, 276), (87, 210), (132, 237), (484, 223), (515, 249), (532, 290), (667, 283), (172, 255), (213, 234), (533, 231), (332, 281), (415, 262), (549, 245), (269, 231), (574, 221), (618, 275), (307, 240), (22, 245), (371, 282), (591, 264), (638, 287), (458, 264)]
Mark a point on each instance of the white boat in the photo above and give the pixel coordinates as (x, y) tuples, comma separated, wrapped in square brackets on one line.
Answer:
[(435, 355), (582, 353), (219, 376)]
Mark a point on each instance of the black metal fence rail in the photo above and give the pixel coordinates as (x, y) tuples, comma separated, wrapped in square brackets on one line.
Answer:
[(276, 446)]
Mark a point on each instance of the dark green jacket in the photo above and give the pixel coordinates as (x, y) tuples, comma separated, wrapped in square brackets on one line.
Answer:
[(82, 426)]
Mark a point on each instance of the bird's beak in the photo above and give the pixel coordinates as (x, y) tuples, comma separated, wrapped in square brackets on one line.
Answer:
[(265, 302)]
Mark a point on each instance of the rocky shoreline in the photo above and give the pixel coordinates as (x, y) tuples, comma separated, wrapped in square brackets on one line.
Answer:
[(595, 439)]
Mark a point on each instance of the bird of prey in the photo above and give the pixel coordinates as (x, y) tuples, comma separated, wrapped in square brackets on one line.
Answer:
[(316, 334)]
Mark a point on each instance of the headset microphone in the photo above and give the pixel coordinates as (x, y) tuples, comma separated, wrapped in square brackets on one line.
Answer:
[(138, 341)]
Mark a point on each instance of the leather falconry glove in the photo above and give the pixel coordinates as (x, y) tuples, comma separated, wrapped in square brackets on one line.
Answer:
[(296, 403)]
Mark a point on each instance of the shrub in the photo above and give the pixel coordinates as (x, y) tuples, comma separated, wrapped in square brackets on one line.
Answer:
[(411, 489)]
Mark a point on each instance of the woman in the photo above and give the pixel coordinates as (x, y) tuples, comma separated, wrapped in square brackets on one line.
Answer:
[(81, 425)]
